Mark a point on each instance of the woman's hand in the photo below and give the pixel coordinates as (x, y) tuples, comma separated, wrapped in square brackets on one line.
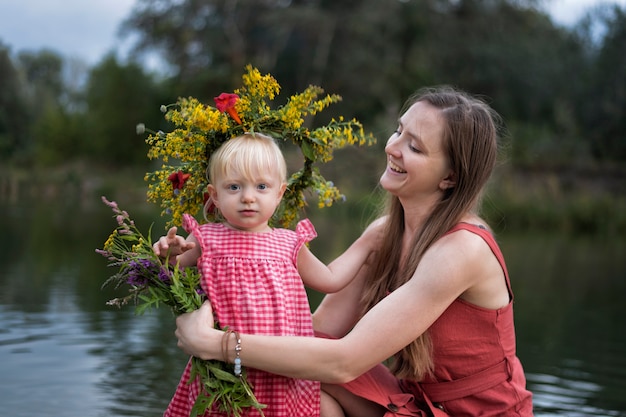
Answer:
[(196, 333)]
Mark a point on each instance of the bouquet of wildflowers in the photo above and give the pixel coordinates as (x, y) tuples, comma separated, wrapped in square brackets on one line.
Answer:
[(153, 282)]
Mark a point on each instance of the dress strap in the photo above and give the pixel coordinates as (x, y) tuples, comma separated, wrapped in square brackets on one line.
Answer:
[(489, 239), (305, 232), (190, 224)]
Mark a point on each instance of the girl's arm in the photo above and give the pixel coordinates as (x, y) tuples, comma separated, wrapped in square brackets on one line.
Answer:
[(339, 312), (447, 270), (340, 272), (178, 249)]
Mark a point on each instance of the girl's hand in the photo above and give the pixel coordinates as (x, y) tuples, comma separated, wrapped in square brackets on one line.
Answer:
[(194, 332), (171, 244)]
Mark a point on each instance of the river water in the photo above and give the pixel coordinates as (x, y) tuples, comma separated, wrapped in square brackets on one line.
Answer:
[(67, 354)]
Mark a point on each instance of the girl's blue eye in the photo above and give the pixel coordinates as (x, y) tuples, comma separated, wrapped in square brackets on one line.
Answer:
[(233, 187), (262, 186)]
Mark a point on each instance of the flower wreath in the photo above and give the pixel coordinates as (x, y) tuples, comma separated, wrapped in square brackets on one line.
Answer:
[(180, 185)]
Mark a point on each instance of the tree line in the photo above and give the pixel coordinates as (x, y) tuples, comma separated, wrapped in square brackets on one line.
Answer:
[(560, 90)]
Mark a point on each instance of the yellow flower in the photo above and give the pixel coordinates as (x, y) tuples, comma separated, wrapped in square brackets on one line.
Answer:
[(110, 242)]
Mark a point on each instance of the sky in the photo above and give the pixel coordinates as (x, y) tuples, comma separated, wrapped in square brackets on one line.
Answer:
[(84, 29), (87, 29)]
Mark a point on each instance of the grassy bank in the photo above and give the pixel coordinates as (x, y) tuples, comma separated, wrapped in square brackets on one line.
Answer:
[(572, 202)]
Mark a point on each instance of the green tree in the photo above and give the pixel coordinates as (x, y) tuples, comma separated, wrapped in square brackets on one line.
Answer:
[(14, 114), (376, 52), (55, 129), (208, 43), (604, 103), (43, 75), (118, 97), (530, 69), (59, 137)]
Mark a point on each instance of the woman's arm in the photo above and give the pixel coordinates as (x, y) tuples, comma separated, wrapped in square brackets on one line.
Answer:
[(339, 312), (446, 271), (375, 338)]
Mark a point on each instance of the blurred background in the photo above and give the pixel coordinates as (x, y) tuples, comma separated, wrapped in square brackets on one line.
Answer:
[(74, 83)]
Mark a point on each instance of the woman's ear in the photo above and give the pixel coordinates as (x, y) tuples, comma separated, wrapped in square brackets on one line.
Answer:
[(448, 182)]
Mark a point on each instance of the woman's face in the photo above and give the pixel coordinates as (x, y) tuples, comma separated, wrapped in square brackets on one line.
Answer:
[(417, 167)]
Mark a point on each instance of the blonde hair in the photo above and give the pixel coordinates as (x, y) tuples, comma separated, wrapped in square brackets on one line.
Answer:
[(471, 146), (252, 155)]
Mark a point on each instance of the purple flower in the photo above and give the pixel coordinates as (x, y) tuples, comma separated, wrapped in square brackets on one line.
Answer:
[(164, 276), (103, 252), (111, 204), (139, 271)]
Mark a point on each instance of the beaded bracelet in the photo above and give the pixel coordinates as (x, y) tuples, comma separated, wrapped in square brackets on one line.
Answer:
[(237, 361)]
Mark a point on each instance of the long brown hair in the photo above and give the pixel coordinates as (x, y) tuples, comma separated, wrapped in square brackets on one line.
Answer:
[(470, 142)]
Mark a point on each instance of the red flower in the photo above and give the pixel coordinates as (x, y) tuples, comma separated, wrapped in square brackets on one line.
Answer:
[(178, 179), (225, 102)]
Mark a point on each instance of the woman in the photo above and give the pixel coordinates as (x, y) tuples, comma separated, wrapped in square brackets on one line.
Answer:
[(435, 295)]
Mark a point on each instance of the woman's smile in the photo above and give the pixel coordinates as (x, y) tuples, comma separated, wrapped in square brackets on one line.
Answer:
[(395, 168)]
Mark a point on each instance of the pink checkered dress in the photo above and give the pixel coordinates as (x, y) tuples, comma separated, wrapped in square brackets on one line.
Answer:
[(254, 288)]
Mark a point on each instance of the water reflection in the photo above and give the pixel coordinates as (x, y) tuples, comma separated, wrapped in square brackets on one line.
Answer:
[(109, 363), (569, 322), (75, 356)]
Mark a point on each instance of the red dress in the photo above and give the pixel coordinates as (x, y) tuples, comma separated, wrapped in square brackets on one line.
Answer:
[(477, 372), (254, 288)]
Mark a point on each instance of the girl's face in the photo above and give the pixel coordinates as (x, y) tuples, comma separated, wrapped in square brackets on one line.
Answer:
[(417, 167), (247, 204)]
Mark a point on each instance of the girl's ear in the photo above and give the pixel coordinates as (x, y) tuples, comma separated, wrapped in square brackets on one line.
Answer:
[(448, 182), (281, 192), (213, 195)]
